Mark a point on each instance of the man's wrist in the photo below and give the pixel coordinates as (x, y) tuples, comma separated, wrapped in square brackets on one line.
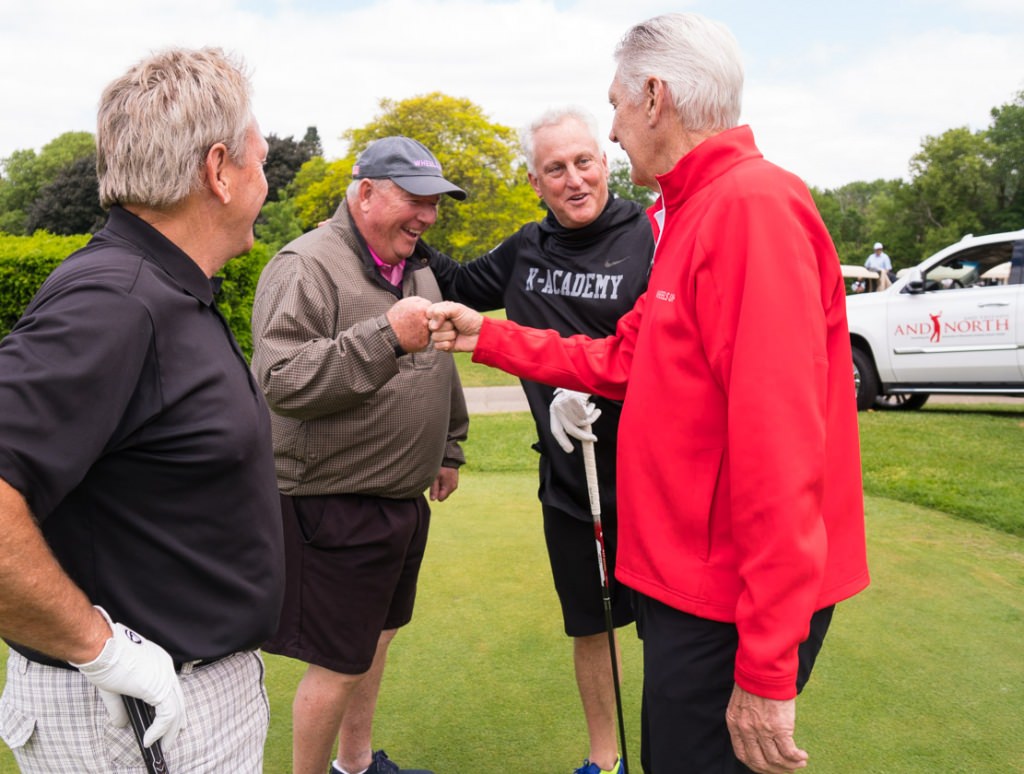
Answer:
[(384, 326), (99, 638)]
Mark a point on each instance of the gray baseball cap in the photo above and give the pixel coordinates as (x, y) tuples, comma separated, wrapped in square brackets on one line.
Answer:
[(408, 164)]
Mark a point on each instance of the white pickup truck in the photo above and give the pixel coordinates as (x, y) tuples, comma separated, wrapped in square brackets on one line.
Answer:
[(953, 324)]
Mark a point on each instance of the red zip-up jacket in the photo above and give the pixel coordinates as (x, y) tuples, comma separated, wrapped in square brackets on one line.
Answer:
[(738, 461)]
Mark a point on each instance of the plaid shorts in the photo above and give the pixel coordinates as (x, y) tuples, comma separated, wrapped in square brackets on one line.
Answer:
[(53, 721)]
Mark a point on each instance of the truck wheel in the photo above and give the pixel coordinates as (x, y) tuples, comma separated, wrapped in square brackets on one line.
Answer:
[(865, 380), (901, 401)]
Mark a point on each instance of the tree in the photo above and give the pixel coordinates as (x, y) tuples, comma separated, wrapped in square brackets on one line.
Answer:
[(859, 214), (311, 142), (18, 188), (1006, 136), (20, 180), (25, 173), (318, 189), (477, 155), (278, 224), (955, 187), (71, 203), (285, 158), (961, 182), (844, 218), (621, 184)]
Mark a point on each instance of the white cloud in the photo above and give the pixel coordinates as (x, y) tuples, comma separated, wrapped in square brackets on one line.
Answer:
[(827, 102), (512, 60), (864, 118)]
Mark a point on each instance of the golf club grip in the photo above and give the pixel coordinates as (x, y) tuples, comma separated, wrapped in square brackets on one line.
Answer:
[(590, 466), (140, 716)]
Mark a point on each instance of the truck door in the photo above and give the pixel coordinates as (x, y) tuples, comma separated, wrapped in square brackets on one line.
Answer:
[(967, 324)]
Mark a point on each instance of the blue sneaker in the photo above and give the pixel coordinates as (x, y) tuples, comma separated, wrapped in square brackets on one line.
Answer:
[(593, 768), (381, 764)]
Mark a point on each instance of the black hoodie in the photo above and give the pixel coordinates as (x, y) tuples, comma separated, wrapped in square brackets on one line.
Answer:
[(573, 281)]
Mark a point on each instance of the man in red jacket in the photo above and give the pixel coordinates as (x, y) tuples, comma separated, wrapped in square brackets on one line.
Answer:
[(741, 511)]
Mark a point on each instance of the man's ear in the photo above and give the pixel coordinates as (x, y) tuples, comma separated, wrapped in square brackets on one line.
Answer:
[(534, 183), (363, 193), (655, 95), (216, 169)]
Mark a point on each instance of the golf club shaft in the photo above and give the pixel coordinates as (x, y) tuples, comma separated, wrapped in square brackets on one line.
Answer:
[(140, 716), (594, 492)]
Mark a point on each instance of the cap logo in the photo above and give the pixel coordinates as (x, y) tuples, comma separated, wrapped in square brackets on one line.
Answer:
[(426, 163)]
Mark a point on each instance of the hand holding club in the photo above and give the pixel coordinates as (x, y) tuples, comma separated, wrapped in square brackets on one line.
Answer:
[(571, 414), (132, 665)]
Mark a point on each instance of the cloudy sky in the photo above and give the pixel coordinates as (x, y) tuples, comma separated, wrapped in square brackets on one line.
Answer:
[(835, 91)]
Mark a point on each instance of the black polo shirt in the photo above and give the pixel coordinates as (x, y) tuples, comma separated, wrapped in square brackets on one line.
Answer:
[(130, 423)]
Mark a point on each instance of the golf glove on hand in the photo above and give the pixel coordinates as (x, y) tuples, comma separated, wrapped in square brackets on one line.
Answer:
[(572, 414), (132, 665)]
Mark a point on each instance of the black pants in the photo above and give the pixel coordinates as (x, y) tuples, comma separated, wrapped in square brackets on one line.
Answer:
[(688, 680)]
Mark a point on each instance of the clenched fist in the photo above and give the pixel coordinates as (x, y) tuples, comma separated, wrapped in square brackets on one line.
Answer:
[(408, 319), (454, 327)]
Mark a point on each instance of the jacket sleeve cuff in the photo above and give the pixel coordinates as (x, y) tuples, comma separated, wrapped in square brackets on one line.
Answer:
[(385, 329)]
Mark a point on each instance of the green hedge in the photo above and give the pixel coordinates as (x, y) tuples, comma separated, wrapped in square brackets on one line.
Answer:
[(26, 261), (236, 294)]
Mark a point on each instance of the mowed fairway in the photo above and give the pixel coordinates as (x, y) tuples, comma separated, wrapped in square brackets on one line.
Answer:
[(921, 673)]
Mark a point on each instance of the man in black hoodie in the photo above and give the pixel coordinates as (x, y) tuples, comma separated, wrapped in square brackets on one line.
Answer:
[(576, 271)]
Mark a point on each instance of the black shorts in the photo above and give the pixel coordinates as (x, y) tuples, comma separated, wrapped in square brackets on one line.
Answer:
[(351, 566), (689, 667), (572, 551)]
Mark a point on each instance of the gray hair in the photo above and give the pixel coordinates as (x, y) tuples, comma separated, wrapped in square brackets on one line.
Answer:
[(697, 58), (555, 117), (157, 122), (383, 183)]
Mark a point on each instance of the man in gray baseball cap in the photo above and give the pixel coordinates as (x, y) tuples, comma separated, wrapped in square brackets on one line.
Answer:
[(408, 164), (361, 430)]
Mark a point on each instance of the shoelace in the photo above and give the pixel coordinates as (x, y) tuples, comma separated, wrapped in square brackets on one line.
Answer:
[(589, 767)]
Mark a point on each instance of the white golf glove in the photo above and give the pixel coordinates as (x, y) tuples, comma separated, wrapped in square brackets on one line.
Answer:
[(132, 665), (572, 414)]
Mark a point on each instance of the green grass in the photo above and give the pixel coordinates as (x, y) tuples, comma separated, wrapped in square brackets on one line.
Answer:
[(477, 375), (922, 673), (964, 460)]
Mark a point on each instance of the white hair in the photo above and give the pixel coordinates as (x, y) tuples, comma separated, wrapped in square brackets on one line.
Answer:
[(697, 58), (382, 183), (555, 117)]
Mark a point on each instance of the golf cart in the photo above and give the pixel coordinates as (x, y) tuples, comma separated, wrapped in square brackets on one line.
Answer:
[(861, 280)]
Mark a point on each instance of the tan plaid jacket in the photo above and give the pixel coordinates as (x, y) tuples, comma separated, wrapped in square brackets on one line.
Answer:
[(349, 416)]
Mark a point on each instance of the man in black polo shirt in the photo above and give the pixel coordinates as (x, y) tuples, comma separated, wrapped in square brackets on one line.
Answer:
[(136, 471)]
